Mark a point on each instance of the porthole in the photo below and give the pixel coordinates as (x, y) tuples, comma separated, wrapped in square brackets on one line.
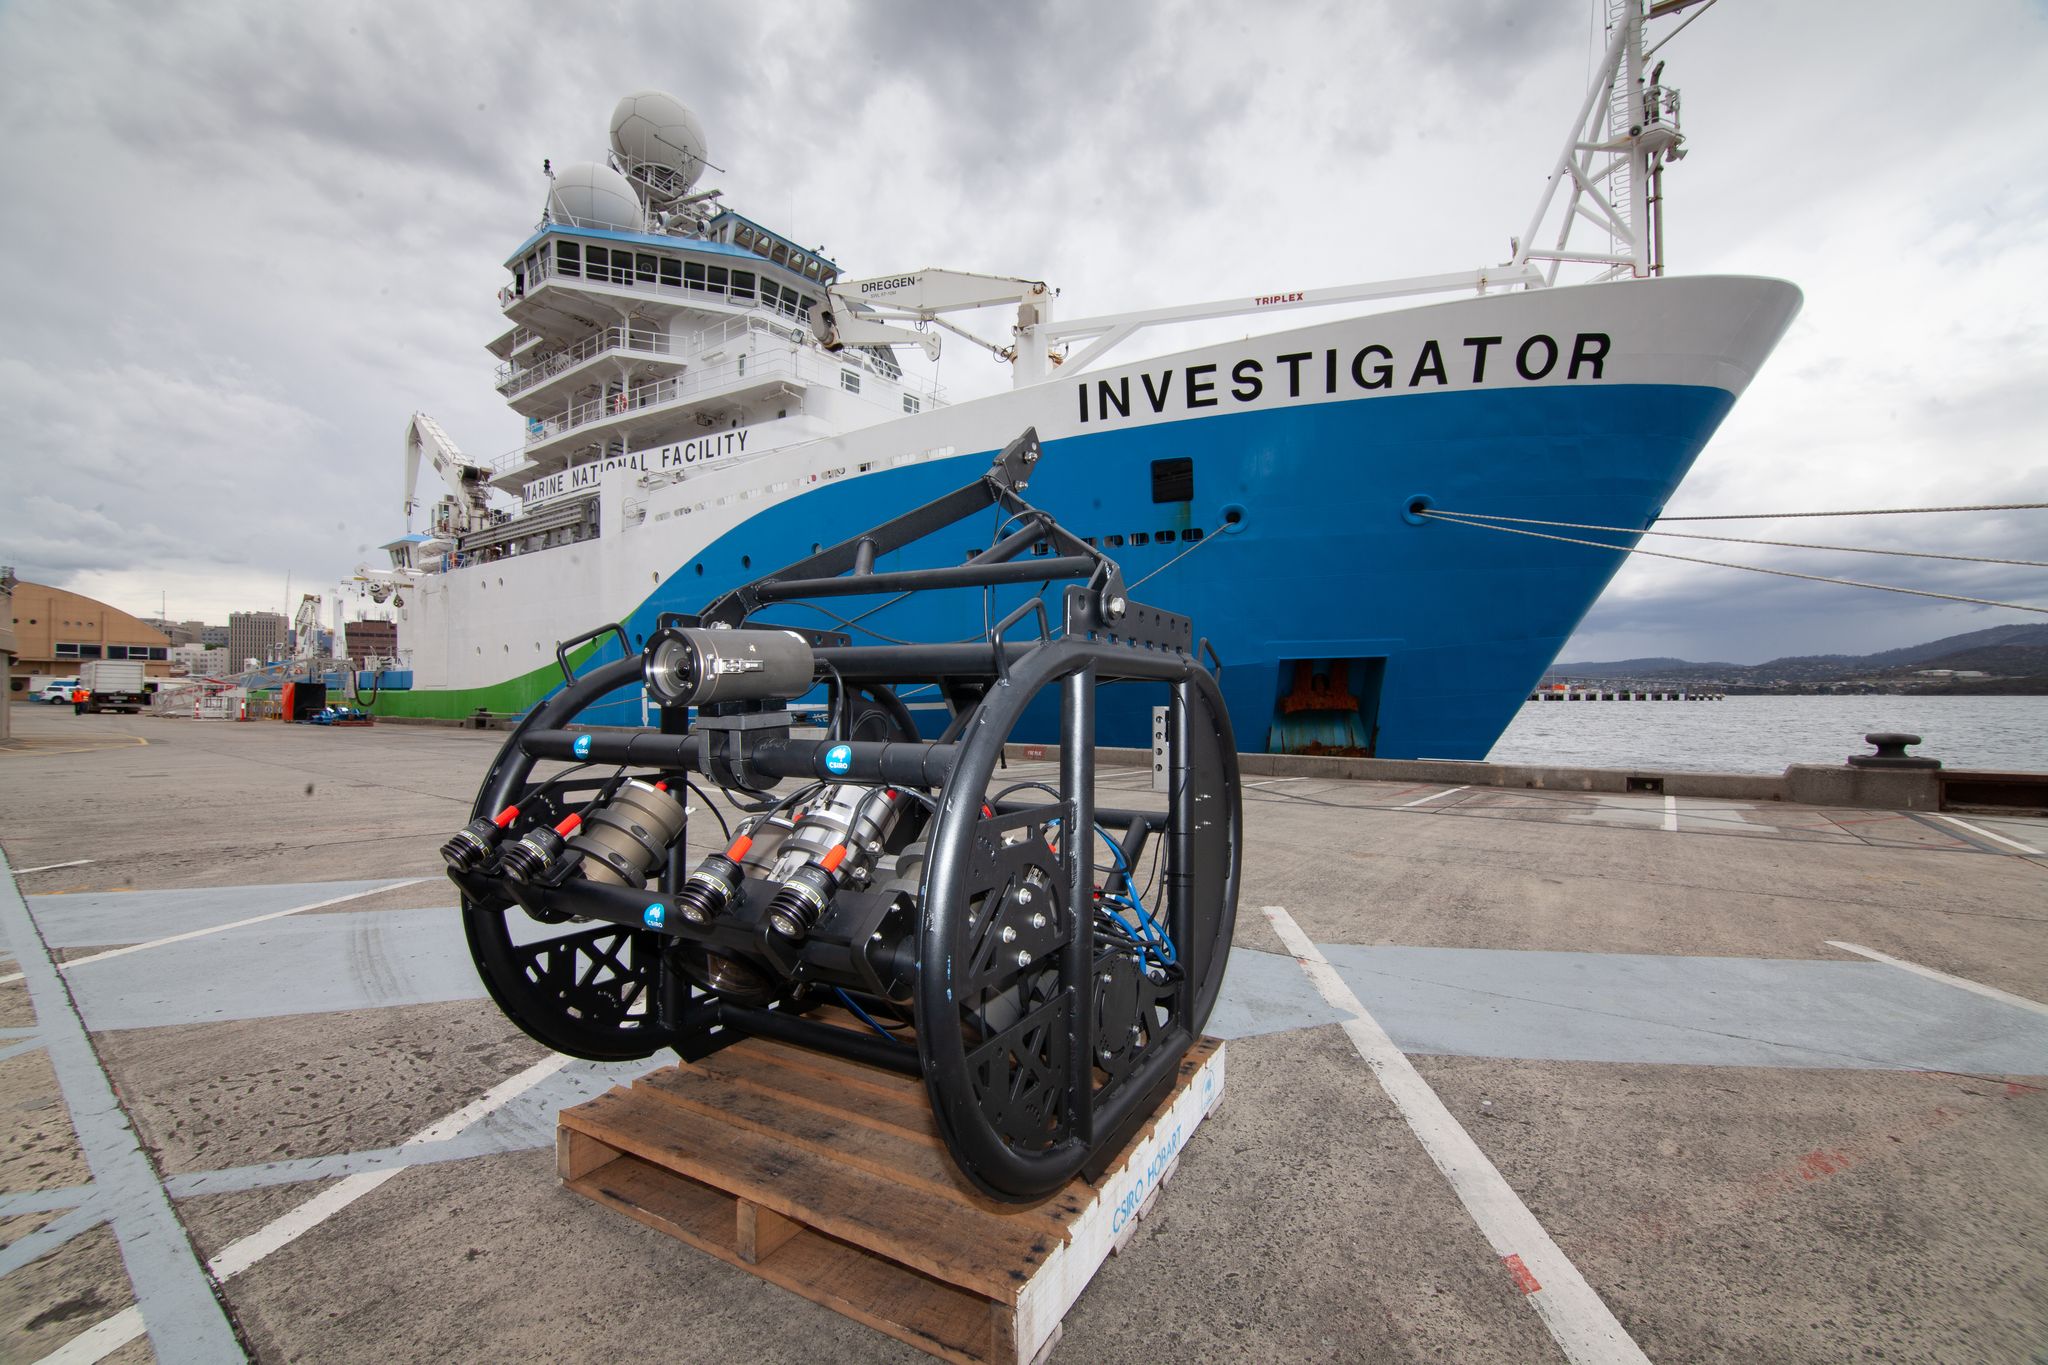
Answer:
[(1233, 519), (746, 561), (700, 571)]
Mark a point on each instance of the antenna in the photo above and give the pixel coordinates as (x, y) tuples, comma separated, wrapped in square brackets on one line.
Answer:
[(1614, 157)]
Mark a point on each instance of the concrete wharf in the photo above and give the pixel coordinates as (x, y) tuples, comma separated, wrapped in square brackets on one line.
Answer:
[(1513, 1069)]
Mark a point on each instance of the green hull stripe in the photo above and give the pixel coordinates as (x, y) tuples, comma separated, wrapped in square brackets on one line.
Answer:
[(515, 696)]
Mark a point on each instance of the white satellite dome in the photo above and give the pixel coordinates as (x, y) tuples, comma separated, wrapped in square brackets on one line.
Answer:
[(589, 195), (659, 142)]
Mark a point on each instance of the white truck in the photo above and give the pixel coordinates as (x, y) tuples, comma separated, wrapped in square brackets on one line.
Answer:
[(111, 685)]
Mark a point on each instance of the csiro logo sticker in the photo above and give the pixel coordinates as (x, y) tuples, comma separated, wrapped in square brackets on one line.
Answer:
[(839, 759), (654, 916), (582, 746)]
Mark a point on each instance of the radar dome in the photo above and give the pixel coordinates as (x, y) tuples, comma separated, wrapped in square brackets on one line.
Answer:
[(659, 142), (589, 195)]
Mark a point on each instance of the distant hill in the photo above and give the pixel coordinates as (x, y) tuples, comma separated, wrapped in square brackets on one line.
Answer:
[(2007, 652)]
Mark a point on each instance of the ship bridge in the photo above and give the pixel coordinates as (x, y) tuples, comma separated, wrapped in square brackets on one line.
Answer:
[(621, 340)]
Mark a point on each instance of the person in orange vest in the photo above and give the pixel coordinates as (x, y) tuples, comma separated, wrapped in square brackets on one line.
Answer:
[(78, 700)]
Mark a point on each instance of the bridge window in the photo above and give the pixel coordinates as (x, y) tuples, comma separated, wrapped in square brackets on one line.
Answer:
[(671, 272), (744, 237), (569, 258), (850, 380), (910, 402), (644, 268), (693, 274), (717, 276), (743, 284), (811, 269)]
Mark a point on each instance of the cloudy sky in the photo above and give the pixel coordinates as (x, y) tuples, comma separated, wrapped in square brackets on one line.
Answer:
[(246, 241)]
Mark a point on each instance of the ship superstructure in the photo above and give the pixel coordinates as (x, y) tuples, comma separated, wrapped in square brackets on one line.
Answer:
[(704, 398)]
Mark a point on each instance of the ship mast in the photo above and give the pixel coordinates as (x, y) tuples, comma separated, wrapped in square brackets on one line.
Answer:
[(1613, 158)]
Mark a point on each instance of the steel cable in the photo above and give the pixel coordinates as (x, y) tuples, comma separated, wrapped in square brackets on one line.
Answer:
[(1171, 562), (1869, 512), (1741, 540), (1725, 564)]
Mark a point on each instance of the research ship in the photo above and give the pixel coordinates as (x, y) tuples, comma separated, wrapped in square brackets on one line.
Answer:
[(706, 400)]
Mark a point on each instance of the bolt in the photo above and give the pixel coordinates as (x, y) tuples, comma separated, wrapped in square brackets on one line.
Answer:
[(1023, 895), (1023, 958), (1114, 608), (1038, 920), (1009, 933)]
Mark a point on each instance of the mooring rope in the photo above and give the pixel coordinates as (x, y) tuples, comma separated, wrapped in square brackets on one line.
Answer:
[(1869, 512), (1745, 540), (1214, 535), (1725, 564)]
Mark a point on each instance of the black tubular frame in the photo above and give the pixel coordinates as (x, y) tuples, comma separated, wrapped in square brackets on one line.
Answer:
[(1024, 1093)]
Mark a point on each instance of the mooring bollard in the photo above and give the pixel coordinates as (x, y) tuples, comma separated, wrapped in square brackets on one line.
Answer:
[(1891, 753)]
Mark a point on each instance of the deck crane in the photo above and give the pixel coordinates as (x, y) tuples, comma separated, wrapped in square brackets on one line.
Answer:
[(466, 508), (862, 312)]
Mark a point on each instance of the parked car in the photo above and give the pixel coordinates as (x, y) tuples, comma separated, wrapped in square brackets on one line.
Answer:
[(57, 691)]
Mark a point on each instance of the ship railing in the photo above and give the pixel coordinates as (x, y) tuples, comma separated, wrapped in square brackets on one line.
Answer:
[(804, 365), (514, 378)]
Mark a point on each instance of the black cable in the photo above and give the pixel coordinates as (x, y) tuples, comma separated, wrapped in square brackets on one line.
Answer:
[(716, 813), (1020, 786), (840, 703)]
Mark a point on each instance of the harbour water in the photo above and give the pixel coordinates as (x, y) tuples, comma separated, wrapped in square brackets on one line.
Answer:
[(1764, 734)]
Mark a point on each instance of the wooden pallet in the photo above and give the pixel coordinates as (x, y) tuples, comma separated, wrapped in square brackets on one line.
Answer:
[(828, 1178)]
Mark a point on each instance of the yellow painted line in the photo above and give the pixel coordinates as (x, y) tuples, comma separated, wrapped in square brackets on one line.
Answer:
[(121, 742)]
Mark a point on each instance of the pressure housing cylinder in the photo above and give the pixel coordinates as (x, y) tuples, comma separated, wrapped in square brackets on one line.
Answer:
[(626, 839), (697, 666)]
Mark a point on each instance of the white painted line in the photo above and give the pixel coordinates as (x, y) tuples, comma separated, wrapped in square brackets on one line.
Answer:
[(102, 1340), (1989, 834), (239, 1256), (223, 928), (1671, 814), (1583, 1326), (99, 1341), (52, 867), (1962, 983), (1433, 796), (187, 1321), (1275, 782)]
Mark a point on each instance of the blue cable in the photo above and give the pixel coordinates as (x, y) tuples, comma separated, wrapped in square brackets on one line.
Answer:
[(1149, 932), (872, 1022)]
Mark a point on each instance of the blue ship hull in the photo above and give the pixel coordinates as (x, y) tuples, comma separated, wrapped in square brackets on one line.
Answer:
[(1434, 631)]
